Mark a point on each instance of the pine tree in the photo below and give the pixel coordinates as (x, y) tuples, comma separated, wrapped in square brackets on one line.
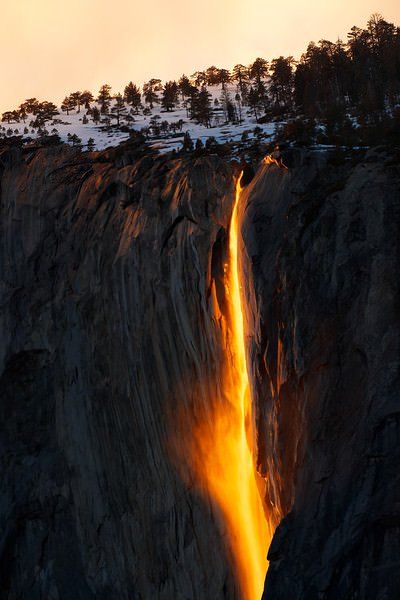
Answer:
[(258, 70), (96, 115), (199, 78), (76, 141), (104, 98), (30, 105), (254, 101), (185, 87), (155, 124), (191, 103), (132, 96), (212, 76), (238, 100), (45, 111), (91, 144), (202, 107), (199, 144), (169, 96), (86, 98), (224, 77), (22, 114), (118, 110), (75, 98), (282, 80), (150, 90), (240, 73), (67, 105), (164, 127), (228, 107), (262, 94), (187, 144), (8, 116)]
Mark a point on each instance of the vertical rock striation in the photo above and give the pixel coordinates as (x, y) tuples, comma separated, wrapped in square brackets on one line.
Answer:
[(111, 304), (322, 282), (109, 265)]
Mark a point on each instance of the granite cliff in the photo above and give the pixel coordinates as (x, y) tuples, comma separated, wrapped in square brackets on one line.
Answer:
[(321, 262), (111, 293), (106, 267)]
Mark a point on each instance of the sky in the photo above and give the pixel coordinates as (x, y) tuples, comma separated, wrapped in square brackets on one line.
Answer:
[(49, 48)]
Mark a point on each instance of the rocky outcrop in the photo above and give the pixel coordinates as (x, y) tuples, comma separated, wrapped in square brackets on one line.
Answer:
[(108, 264), (321, 264)]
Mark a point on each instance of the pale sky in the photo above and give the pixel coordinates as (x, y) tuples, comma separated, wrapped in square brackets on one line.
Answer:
[(49, 48)]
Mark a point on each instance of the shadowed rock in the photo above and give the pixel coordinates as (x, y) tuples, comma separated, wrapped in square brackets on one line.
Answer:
[(111, 292), (321, 268), (107, 328)]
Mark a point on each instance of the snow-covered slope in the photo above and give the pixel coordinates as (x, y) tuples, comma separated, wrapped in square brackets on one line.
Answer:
[(105, 135)]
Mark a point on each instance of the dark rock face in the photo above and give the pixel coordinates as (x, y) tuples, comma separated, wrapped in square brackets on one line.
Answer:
[(107, 325), (321, 266), (111, 293)]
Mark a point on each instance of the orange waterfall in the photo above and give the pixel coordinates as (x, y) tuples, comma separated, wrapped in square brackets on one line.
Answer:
[(222, 445)]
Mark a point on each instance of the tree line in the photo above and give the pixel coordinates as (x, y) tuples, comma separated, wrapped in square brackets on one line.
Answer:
[(361, 74)]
